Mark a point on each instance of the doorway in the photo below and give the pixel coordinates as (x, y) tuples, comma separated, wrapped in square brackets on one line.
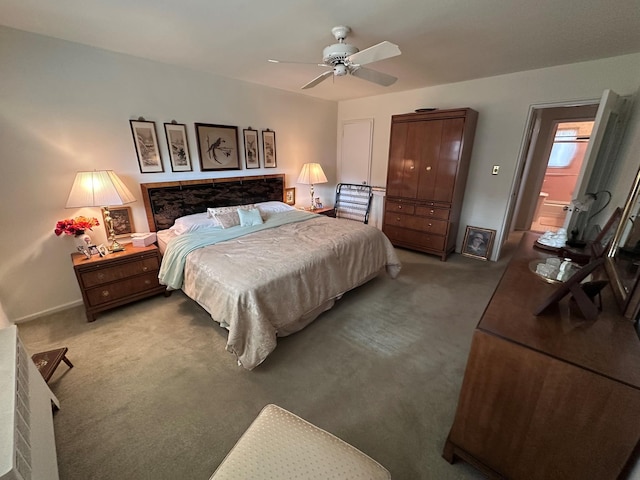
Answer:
[(558, 141)]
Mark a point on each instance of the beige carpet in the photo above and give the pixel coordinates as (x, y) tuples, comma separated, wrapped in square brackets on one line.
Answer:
[(154, 394)]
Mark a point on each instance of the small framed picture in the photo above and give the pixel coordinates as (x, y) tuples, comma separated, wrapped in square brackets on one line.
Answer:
[(93, 250), (269, 147), (146, 143), (478, 242), (251, 157), (217, 147), (290, 196), (102, 250), (85, 251), (122, 220), (178, 147)]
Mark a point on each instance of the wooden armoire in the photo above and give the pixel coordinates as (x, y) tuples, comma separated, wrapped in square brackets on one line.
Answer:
[(429, 157)]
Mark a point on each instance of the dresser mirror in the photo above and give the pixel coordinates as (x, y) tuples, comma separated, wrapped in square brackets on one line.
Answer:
[(623, 257)]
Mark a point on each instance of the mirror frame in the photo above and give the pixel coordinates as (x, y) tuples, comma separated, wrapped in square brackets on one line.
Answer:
[(628, 301)]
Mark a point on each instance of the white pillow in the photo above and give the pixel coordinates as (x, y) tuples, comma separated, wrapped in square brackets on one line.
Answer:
[(191, 223), (273, 207)]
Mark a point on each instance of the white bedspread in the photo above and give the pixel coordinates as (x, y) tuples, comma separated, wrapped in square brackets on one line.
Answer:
[(274, 282)]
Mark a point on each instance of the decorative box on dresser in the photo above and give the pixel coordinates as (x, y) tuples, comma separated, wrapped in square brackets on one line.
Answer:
[(117, 278), (551, 396), (429, 156)]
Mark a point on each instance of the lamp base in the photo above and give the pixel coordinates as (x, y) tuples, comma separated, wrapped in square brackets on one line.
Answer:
[(115, 247)]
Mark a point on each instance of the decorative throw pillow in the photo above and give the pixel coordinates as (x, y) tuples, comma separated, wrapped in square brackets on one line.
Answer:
[(227, 220), (250, 217), (213, 211)]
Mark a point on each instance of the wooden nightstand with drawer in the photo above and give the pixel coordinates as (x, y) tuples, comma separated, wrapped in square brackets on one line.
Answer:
[(117, 278)]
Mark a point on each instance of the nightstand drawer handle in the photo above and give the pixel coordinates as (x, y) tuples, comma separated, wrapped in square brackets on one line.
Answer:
[(101, 276), (105, 293), (432, 212), (147, 282), (430, 225), (399, 207), (145, 268), (397, 219)]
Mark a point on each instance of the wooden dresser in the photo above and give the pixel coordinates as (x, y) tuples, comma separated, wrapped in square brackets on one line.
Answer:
[(429, 157), (118, 278), (552, 396)]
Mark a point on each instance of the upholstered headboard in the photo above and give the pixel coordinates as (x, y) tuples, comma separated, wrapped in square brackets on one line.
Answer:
[(166, 201)]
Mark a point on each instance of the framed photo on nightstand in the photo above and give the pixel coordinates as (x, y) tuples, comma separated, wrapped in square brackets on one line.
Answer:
[(290, 196)]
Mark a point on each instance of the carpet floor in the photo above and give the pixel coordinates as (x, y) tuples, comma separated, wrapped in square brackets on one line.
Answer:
[(154, 395)]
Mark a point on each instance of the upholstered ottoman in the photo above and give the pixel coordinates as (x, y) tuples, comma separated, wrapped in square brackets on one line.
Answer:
[(279, 445)]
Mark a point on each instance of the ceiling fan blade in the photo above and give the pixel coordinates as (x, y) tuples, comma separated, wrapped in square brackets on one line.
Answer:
[(271, 60), (318, 79), (374, 76), (375, 53)]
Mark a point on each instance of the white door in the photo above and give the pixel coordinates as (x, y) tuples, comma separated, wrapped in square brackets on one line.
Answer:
[(355, 152), (594, 167)]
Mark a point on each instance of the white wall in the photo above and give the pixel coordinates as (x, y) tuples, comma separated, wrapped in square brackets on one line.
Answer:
[(66, 107), (503, 103)]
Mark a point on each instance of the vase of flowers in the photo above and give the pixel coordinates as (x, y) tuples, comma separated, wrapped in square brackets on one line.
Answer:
[(77, 227)]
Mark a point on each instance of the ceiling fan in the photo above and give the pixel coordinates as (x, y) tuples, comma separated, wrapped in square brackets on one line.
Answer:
[(343, 58)]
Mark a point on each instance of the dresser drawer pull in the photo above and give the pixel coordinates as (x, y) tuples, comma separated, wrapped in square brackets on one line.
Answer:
[(399, 207), (105, 293), (432, 211), (428, 169), (101, 276), (430, 225), (397, 219), (145, 268), (147, 282)]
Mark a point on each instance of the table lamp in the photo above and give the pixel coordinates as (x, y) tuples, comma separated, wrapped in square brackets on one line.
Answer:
[(311, 174), (100, 188)]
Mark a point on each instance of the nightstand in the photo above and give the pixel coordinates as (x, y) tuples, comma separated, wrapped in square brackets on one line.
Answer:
[(117, 278), (327, 211)]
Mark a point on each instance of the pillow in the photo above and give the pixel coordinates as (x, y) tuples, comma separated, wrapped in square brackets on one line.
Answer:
[(212, 211), (273, 207), (191, 223), (227, 220), (250, 217)]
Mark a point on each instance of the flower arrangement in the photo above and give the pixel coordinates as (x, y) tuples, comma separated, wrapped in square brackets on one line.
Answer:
[(75, 226)]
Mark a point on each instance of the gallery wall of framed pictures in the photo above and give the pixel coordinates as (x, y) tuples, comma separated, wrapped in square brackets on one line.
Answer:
[(218, 147)]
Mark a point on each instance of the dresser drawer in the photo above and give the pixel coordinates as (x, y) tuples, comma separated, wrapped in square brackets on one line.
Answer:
[(433, 212), (117, 272), (407, 208), (124, 288), (411, 238), (422, 224)]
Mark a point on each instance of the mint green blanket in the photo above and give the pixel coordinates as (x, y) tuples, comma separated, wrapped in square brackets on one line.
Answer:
[(175, 256)]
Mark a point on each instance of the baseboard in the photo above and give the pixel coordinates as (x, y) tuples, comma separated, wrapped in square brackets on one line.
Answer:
[(49, 311)]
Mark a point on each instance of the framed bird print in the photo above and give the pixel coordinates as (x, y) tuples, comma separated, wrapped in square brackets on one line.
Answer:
[(217, 147)]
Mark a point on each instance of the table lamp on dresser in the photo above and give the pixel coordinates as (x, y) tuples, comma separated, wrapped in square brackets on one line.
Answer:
[(100, 188)]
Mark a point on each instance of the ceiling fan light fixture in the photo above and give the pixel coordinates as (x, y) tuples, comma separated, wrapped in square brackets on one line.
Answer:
[(340, 70)]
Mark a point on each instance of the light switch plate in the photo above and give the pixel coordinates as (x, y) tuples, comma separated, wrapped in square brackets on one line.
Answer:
[(495, 169)]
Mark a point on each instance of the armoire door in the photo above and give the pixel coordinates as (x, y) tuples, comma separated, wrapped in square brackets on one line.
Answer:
[(440, 159)]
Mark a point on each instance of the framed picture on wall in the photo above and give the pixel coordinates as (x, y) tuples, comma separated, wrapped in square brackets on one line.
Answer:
[(122, 220), (178, 148), (269, 147), (217, 147), (146, 143), (290, 196), (251, 156), (478, 242)]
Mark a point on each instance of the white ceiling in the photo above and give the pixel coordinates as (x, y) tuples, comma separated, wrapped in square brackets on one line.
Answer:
[(442, 41)]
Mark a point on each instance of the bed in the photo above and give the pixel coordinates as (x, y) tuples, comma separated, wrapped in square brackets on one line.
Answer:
[(261, 280)]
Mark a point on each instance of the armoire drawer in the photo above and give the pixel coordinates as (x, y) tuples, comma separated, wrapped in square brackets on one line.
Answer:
[(422, 224), (120, 271), (413, 238), (433, 212), (408, 208)]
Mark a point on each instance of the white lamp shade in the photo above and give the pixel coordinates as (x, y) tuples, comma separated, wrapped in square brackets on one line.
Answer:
[(312, 174), (97, 189)]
